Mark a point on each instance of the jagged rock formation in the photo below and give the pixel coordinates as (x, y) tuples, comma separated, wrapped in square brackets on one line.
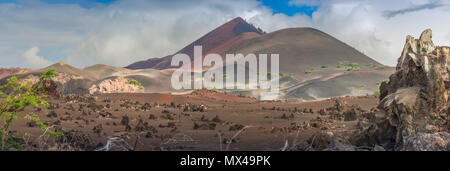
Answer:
[(416, 97), (118, 85)]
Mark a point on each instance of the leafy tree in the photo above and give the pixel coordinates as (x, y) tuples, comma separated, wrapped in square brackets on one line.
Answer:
[(14, 98)]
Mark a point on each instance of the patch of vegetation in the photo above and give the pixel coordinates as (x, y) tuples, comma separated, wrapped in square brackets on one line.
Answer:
[(308, 72), (362, 86), (15, 98), (134, 82), (141, 88), (301, 100), (351, 67), (384, 81), (281, 75), (50, 73), (323, 67), (377, 92), (339, 65)]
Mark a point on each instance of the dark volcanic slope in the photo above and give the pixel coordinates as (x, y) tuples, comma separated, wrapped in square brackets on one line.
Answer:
[(219, 37), (301, 49)]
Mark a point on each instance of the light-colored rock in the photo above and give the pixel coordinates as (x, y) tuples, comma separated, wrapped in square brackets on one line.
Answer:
[(118, 85), (416, 97)]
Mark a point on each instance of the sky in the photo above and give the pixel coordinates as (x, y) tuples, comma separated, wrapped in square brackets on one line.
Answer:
[(38, 33)]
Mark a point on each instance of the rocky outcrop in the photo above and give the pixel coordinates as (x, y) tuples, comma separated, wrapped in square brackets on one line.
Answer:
[(416, 97), (428, 142), (66, 83), (118, 85)]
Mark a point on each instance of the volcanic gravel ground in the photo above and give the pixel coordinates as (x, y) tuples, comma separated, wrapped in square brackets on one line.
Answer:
[(199, 121)]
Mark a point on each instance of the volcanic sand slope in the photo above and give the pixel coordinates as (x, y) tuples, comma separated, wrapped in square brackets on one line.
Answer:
[(314, 65), (301, 49), (103, 71), (4, 72), (354, 83), (215, 41)]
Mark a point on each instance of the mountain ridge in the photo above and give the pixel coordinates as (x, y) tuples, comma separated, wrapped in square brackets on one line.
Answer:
[(209, 42)]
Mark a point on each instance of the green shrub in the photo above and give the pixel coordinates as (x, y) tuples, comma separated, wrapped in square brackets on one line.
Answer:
[(134, 82), (377, 92), (15, 97), (48, 74)]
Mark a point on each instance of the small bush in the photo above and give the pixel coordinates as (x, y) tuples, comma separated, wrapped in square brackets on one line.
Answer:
[(377, 92), (134, 82)]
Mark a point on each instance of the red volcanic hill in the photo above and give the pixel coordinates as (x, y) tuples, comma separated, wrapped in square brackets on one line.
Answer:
[(216, 41)]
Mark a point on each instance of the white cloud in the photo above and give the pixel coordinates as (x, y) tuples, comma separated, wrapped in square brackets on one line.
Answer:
[(364, 24), (127, 31), (30, 58)]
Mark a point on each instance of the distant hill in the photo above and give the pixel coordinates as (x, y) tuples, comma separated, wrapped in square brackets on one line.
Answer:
[(303, 49), (216, 41), (73, 80), (4, 72)]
